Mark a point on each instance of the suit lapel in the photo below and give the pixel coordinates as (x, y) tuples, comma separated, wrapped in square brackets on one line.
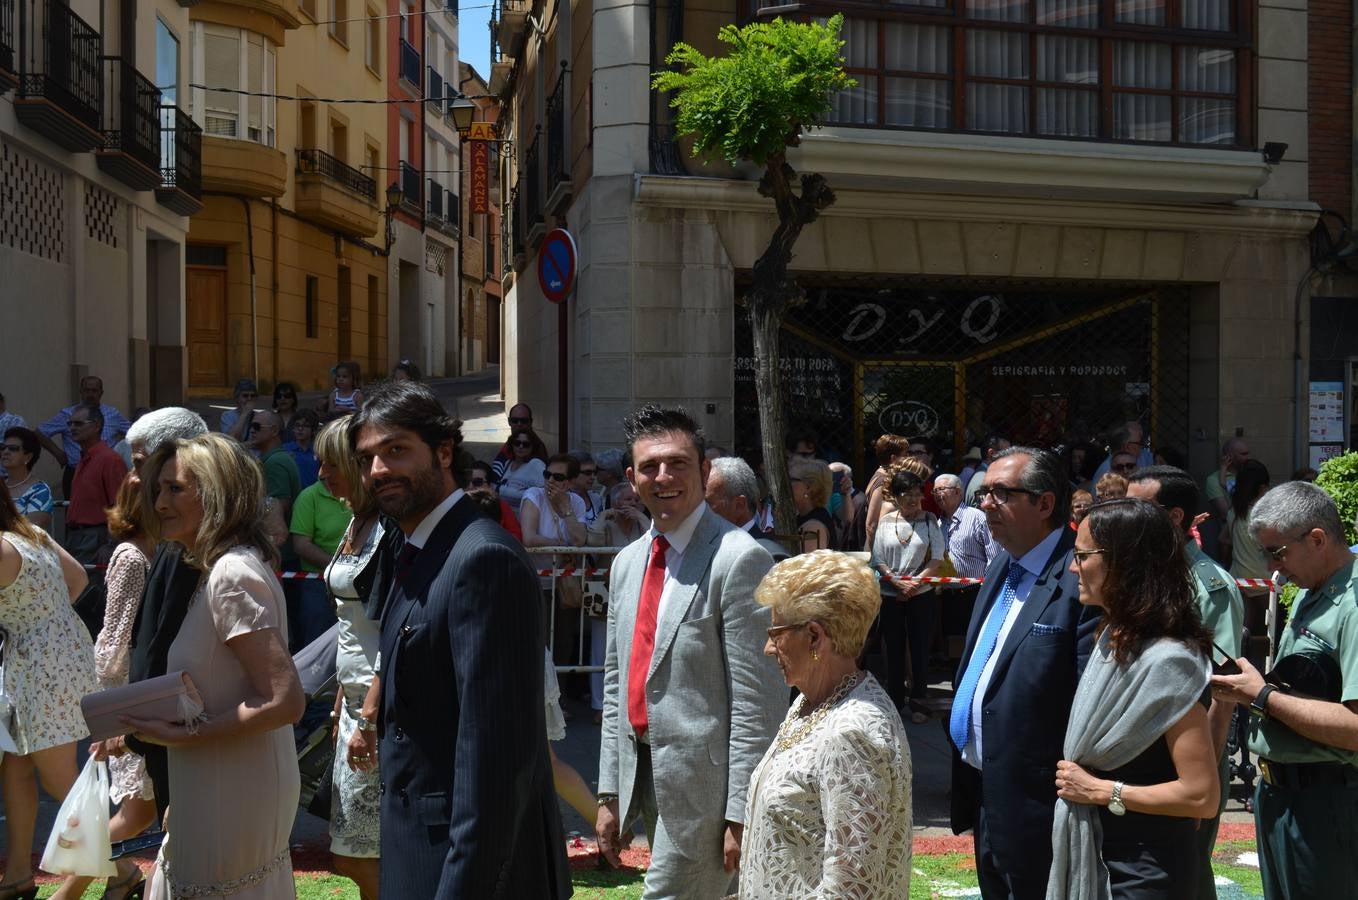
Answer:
[(1039, 598), (697, 557), (432, 556)]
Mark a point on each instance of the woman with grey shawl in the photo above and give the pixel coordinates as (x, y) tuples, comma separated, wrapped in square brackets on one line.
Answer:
[(1139, 767)]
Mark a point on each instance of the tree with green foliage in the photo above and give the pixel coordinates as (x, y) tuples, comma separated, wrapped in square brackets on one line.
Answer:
[(752, 105), (1339, 478)]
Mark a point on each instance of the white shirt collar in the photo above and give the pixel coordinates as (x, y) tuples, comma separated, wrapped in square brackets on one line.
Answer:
[(1035, 559), (750, 524), (420, 536), (679, 537)]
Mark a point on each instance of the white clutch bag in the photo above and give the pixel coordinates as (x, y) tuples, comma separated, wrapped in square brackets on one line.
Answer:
[(171, 697)]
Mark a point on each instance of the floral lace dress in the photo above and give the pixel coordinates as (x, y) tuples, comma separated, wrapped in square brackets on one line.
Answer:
[(829, 817), (125, 579), (49, 658)]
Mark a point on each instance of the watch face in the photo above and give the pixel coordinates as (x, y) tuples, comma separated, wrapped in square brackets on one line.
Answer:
[(1116, 807)]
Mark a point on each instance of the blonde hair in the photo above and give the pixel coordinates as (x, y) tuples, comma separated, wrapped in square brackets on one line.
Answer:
[(332, 449), (125, 515), (230, 489), (828, 587), (815, 474), (1111, 486)]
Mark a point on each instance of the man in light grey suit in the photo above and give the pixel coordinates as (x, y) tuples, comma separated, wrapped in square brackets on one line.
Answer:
[(690, 701)]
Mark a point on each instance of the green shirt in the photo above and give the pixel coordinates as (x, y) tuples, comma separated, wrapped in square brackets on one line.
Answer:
[(281, 478), (1213, 490), (1324, 619), (322, 517), (1219, 601)]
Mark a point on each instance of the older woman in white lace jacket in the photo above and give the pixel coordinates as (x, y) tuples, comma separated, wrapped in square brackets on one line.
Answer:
[(829, 809)]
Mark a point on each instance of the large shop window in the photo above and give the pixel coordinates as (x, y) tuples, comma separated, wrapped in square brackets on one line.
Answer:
[(1162, 71), (235, 60)]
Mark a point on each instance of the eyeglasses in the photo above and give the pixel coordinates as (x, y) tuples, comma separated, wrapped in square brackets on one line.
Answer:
[(520, 420), (556, 476), (776, 630), (78, 423), (1277, 553), (12, 448), (1124, 467), (1081, 554), (247, 395), (1000, 493), (589, 472), (478, 482), (256, 426)]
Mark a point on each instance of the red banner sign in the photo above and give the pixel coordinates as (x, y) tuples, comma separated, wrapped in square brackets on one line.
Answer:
[(480, 198)]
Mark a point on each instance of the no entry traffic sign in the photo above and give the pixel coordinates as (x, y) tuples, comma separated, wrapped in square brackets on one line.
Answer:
[(556, 265)]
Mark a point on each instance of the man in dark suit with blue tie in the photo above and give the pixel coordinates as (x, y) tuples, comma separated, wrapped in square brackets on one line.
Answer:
[(1026, 647), (468, 808)]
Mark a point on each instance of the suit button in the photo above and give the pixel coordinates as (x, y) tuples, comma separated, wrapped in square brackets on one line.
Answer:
[(381, 787), (988, 712), (401, 793), (407, 631), (399, 734)]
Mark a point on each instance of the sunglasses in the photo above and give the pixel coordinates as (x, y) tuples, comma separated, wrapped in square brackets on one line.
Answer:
[(523, 444), (557, 476), (520, 420), (12, 448), (1277, 553), (589, 472), (1125, 467), (478, 482)]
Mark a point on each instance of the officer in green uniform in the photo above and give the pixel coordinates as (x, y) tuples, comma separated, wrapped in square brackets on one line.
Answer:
[(1304, 722), (1223, 612)]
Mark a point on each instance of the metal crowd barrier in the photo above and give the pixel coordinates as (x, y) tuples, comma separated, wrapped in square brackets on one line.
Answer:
[(594, 596)]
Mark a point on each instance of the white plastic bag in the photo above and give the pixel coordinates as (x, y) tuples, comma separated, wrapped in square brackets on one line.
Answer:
[(79, 843)]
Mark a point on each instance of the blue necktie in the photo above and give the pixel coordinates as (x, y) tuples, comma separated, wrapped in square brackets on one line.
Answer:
[(959, 725)]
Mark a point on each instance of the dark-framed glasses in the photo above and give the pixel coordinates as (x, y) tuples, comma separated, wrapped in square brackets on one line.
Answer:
[(12, 448), (1277, 553), (478, 482), (527, 444), (557, 476), (520, 420), (1000, 493), (1081, 554)]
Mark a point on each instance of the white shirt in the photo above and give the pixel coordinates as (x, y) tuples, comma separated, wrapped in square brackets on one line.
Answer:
[(1032, 564), (679, 539)]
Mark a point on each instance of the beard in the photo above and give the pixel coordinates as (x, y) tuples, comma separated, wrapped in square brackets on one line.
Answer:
[(420, 495)]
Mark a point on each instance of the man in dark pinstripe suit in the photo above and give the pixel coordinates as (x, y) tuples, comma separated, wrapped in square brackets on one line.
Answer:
[(468, 808)]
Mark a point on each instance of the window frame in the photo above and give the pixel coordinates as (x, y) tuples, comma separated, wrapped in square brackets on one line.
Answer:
[(952, 15), (198, 108)]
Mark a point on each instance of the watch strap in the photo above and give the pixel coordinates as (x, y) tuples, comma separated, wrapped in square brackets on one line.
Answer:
[(1260, 702)]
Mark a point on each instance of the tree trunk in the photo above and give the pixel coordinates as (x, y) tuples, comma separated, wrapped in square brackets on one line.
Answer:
[(772, 292)]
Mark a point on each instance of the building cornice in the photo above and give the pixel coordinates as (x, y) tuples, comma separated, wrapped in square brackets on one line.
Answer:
[(884, 202)]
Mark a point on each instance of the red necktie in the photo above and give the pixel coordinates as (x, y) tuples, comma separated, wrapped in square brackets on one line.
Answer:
[(643, 635)]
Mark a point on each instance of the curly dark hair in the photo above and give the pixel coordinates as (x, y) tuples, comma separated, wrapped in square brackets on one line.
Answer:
[(653, 421), (1148, 592)]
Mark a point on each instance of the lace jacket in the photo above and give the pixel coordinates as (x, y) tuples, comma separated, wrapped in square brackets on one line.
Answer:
[(830, 816)]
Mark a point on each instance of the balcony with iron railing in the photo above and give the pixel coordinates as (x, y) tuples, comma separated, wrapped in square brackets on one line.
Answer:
[(131, 120), (412, 188), (514, 227), (559, 188), (181, 162), (433, 95), (61, 84), (435, 206), (535, 226), (410, 64), (334, 194), (9, 42)]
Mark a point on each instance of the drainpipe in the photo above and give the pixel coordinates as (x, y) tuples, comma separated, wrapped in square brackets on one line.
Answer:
[(254, 308), (273, 204)]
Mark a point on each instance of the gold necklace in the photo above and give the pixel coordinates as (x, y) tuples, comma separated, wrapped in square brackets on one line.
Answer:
[(795, 727)]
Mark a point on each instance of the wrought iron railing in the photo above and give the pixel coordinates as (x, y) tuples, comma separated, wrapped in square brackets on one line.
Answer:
[(435, 209), (532, 196), (556, 133), (411, 185), (9, 36), (433, 95), (410, 63), (181, 151), (318, 162), (516, 221), (59, 56), (131, 112)]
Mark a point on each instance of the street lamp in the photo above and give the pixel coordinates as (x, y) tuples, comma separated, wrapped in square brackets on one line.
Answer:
[(395, 197), (464, 111)]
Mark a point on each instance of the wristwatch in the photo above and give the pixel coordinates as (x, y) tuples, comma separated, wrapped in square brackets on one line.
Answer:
[(364, 724), (605, 799), (1115, 804), (1259, 705)]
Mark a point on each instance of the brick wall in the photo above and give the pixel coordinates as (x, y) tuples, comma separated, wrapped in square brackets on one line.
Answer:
[(1329, 85)]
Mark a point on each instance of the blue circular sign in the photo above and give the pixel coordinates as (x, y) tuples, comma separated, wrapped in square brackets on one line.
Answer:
[(557, 264)]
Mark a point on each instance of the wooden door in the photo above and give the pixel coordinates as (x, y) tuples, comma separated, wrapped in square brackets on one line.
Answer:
[(206, 323)]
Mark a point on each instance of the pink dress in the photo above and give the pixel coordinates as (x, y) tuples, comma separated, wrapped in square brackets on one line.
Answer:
[(232, 801)]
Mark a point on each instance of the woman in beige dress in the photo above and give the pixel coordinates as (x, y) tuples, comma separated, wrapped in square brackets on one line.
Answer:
[(233, 773)]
